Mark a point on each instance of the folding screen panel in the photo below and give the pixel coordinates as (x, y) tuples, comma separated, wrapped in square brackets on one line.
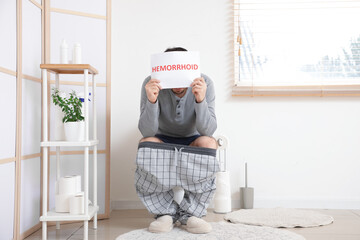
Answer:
[(30, 197), (31, 39), (31, 118), (7, 188), (8, 119), (8, 34), (22, 28), (8, 116), (31, 57), (30, 194)]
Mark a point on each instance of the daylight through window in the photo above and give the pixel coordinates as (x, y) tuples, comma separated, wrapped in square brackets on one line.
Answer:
[(297, 43)]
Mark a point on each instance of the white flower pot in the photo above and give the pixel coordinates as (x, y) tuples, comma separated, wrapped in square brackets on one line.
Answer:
[(74, 131), (59, 125)]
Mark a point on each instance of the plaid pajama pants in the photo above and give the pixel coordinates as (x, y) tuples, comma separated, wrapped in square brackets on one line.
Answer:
[(162, 166)]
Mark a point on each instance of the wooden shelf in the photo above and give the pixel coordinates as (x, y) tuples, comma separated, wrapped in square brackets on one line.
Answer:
[(69, 144), (55, 216), (69, 68)]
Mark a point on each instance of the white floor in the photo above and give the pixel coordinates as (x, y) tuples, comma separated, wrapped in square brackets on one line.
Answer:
[(345, 227)]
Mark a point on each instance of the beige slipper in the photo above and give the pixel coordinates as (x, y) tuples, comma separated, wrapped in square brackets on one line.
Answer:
[(197, 225), (162, 224)]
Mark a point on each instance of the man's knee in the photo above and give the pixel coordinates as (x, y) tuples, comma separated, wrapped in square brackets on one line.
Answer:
[(205, 141), (151, 139)]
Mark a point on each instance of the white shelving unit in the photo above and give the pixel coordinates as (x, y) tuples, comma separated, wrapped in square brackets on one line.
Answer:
[(89, 211)]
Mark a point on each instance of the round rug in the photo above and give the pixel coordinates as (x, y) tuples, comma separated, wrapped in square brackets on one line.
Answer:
[(279, 217), (221, 231)]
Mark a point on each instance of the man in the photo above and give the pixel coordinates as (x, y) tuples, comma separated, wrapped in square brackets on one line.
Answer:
[(184, 116)]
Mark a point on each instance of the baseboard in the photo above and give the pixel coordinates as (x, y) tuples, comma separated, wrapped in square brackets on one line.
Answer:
[(30, 231), (318, 203), (124, 204)]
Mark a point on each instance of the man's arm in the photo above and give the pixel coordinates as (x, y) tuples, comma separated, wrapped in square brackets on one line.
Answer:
[(205, 110), (149, 111)]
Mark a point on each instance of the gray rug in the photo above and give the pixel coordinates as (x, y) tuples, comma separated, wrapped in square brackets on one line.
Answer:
[(221, 231), (279, 217)]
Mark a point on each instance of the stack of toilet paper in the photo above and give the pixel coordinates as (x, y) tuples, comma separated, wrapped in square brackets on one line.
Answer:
[(222, 198), (69, 197)]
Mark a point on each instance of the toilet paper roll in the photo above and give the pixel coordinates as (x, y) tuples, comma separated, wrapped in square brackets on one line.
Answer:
[(67, 185), (62, 202), (222, 199), (77, 183), (223, 184), (222, 205), (76, 204)]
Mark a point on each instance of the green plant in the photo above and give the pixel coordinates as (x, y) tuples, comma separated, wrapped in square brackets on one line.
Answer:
[(71, 107)]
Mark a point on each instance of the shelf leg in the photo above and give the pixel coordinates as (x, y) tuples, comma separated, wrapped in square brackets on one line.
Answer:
[(95, 147), (44, 230), (86, 103), (86, 152), (86, 180), (57, 176), (86, 190), (95, 184), (44, 185), (86, 228), (57, 166), (45, 152), (57, 154)]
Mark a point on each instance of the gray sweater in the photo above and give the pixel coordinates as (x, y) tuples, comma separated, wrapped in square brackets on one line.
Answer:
[(178, 117)]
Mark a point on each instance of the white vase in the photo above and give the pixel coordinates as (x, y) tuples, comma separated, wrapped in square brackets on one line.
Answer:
[(74, 131), (59, 125)]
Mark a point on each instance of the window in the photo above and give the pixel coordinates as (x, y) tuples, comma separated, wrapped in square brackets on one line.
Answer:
[(297, 47)]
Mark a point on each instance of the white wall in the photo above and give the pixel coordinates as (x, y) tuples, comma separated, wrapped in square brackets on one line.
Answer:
[(301, 151)]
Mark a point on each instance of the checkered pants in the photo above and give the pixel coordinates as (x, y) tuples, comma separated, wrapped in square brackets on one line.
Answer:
[(162, 166)]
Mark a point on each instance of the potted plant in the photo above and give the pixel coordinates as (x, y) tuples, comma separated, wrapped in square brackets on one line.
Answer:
[(73, 119)]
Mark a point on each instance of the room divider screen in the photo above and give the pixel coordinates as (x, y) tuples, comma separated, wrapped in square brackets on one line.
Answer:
[(32, 31)]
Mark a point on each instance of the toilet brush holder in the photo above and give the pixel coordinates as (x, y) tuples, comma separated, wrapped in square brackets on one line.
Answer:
[(246, 194), (246, 198)]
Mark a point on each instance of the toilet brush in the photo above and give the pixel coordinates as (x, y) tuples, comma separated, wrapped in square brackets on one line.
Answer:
[(246, 193)]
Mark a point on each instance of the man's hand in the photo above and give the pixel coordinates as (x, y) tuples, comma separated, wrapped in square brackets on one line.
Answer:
[(199, 89), (152, 90)]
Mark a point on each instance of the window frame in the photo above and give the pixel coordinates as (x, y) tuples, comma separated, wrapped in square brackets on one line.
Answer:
[(251, 89)]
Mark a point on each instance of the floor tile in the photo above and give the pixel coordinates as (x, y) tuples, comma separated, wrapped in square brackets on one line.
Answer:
[(356, 212), (65, 231), (331, 237), (341, 225), (346, 226)]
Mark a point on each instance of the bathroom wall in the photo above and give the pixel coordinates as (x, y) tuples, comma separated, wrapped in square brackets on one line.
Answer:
[(301, 151)]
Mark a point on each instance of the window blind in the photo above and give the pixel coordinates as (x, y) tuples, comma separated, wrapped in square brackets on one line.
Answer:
[(297, 47)]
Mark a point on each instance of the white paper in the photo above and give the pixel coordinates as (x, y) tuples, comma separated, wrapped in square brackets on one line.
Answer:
[(175, 69)]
